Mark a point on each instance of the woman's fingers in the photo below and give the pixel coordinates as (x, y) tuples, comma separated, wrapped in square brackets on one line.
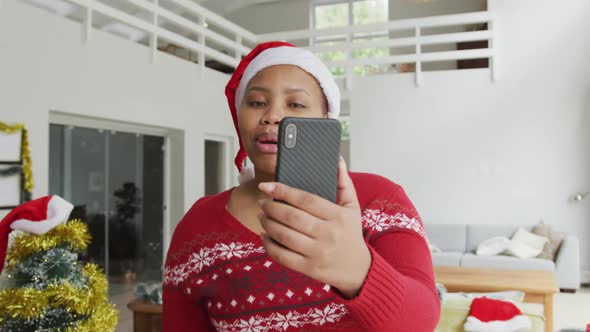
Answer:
[(288, 237), (282, 255), (291, 217), (310, 203), (346, 194)]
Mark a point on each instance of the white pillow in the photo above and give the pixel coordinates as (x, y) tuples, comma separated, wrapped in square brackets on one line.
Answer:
[(525, 244), (433, 248), (493, 246)]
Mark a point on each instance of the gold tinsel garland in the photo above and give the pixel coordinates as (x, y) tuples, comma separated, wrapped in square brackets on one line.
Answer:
[(25, 152), (104, 318), (89, 300), (74, 233)]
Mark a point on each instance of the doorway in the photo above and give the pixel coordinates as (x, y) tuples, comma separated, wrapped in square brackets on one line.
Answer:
[(116, 181)]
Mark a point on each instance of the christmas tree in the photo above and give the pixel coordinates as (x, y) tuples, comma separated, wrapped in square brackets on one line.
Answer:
[(47, 288)]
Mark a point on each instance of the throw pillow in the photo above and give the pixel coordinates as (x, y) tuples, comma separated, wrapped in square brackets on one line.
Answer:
[(525, 244), (433, 248), (554, 240), (493, 246)]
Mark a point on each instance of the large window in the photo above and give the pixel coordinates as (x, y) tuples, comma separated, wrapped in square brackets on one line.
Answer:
[(326, 14)]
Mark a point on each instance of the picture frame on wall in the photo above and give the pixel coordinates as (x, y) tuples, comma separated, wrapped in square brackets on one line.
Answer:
[(10, 185), (11, 173), (10, 147)]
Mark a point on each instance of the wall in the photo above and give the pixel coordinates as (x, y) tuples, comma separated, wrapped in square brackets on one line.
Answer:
[(469, 150), (400, 9), (294, 14), (273, 17), (44, 66)]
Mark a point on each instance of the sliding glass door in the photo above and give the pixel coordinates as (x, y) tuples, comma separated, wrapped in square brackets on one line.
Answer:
[(116, 182)]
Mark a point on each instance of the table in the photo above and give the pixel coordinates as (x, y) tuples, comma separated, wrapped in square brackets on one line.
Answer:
[(147, 316), (538, 286)]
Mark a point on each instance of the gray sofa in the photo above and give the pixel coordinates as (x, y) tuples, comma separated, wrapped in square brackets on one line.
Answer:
[(459, 242)]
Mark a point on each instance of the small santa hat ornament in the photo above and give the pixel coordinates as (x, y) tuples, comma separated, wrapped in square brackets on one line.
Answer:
[(37, 216), (489, 315), (272, 54)]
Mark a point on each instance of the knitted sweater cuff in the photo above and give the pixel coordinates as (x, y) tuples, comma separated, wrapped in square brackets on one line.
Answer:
[(380, 297)]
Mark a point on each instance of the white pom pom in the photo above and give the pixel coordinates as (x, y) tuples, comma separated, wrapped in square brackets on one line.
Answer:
[(246, 174)]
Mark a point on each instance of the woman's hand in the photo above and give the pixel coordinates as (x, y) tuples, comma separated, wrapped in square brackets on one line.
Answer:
[(318, 238)]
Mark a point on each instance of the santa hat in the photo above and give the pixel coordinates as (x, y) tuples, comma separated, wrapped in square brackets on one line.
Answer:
[(271, 54), (489, 315), (37, 216)]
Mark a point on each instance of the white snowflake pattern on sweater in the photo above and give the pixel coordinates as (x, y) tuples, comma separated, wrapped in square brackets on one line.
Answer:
[(378, 220), (278, 322), (176, 275)]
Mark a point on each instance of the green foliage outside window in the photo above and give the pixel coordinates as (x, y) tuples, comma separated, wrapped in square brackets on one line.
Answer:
[(363, 12)]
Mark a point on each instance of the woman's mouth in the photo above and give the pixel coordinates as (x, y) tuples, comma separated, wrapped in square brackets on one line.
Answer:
[(267, 143)]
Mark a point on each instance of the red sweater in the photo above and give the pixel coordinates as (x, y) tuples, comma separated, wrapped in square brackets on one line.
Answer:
[(218, 276)]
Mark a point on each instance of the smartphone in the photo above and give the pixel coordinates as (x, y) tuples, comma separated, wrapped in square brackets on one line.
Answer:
[(308, 155)]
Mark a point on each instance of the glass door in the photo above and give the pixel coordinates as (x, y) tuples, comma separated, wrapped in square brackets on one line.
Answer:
[(116, 182)]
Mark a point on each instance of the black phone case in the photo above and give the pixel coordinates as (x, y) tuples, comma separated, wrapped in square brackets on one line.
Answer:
[(312, 164)]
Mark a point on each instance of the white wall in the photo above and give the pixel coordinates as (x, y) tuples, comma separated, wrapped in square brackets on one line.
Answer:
[(468, 150), (400, 9), (45, 67), (273, 17), (294, 14)]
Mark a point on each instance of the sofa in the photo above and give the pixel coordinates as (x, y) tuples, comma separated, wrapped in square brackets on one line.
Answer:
[(458, 244)]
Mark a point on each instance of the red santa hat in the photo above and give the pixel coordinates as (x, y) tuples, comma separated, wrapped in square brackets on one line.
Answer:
[(37, 216), (489, 315), (271, 54)]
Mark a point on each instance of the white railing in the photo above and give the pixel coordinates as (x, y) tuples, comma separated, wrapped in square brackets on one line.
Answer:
[(347, 43), (209, 43), (169, 25)]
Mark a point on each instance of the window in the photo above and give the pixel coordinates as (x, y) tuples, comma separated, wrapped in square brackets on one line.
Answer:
[(326, 14)]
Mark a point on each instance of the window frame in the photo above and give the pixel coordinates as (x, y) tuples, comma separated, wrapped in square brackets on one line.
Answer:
[(315, 3)]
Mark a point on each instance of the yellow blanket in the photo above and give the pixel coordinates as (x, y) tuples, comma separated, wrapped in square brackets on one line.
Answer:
[(455, 311)]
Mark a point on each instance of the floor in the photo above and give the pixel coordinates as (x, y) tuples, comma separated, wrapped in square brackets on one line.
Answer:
[(120, 295), (572, 311)]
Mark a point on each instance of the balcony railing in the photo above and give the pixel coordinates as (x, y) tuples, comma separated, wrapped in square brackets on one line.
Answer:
[(190, 26)]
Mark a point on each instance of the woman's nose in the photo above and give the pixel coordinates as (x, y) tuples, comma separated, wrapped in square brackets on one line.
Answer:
[(273, 115)]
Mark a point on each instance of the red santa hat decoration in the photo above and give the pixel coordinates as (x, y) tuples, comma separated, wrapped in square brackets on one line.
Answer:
[(271, 54), (489, 315), (37, 217)]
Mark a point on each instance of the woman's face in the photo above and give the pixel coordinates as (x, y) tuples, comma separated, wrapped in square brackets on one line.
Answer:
[(274, 93)]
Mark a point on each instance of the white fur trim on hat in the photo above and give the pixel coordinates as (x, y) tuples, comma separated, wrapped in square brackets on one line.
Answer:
[(516, 323), (304, 59), (58, 211), (246, 174)]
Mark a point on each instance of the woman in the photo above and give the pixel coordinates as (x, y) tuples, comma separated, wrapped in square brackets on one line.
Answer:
[(241, 261)]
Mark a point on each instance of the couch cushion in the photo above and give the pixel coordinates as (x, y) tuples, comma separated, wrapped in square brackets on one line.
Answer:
[(525, 244), (447, 237), (447, 258), (476, 234), (506, 262)]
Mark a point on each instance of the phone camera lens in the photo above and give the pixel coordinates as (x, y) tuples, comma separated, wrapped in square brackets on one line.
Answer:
[(291, 131)]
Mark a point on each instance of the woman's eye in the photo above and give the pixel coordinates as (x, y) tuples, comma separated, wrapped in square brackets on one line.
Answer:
[(297, 105), (257, 103)]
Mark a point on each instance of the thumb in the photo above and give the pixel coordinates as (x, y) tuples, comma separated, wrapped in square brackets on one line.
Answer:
[(346, 194)]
